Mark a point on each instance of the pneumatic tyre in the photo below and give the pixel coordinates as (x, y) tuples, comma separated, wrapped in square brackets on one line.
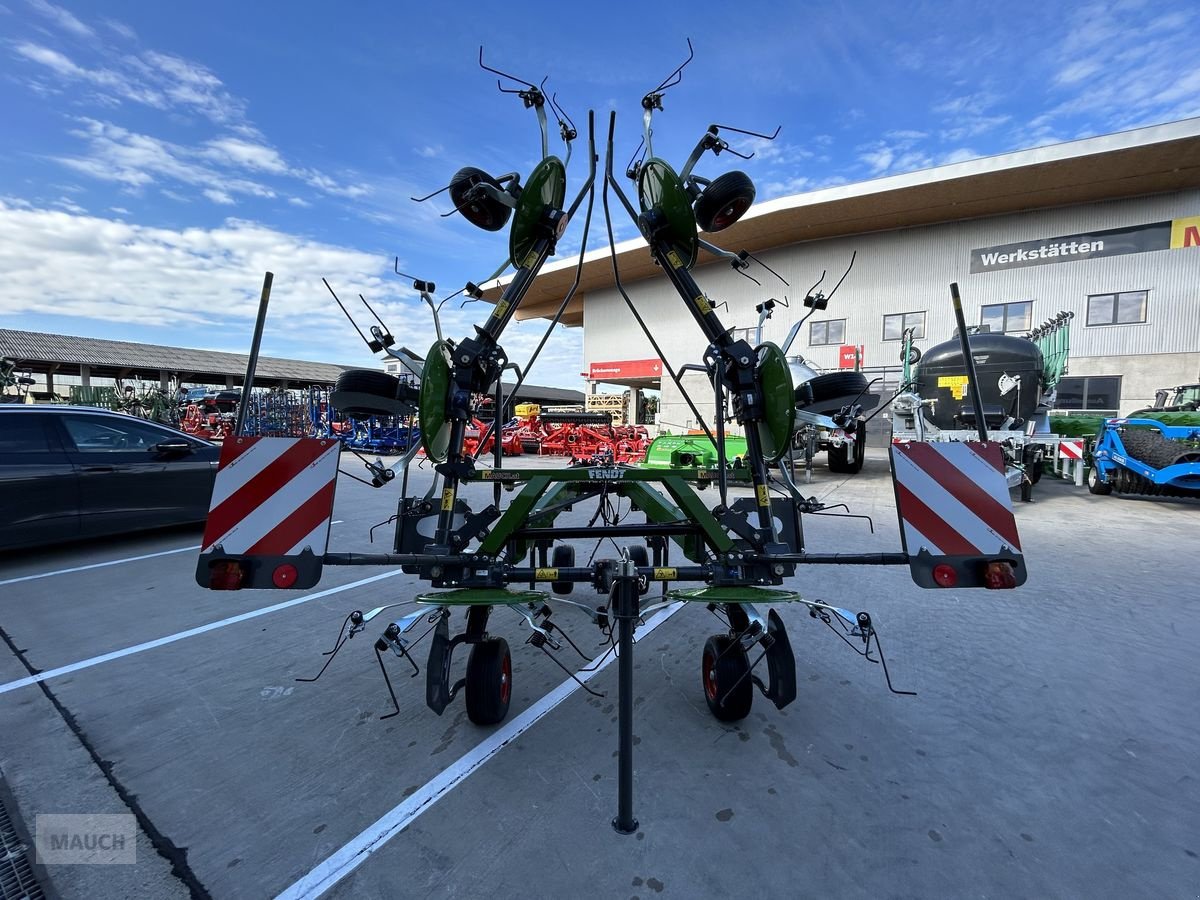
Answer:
[(724, 664), (362, 393), (1095, 485), (489, 682), (724, 201), (830, 385), (481, 211)]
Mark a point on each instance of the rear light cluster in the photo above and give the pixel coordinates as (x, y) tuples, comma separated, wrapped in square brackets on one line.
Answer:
[(232, 575), (997, 575), (226, 575)]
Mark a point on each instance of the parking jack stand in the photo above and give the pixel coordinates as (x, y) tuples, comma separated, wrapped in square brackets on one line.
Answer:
[(626, 610)]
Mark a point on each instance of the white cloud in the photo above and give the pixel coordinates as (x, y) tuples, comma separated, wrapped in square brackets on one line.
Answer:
[(429, 151), (961, 154), (219, 196), (122, 29), (137, 160), (878, 160), (299, 201), (63, 19), (69, 205), (180, 279), (247, 154)]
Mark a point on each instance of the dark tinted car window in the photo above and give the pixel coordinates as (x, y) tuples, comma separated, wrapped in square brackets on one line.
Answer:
[(23, 434), (107, 434)]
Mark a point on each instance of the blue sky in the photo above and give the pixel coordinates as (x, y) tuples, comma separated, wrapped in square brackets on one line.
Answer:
[(155, 159)]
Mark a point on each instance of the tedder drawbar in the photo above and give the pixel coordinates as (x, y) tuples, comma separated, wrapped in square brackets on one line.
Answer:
[(269, 521)]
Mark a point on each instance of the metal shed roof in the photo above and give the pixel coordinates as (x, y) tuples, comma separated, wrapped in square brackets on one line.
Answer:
[(42, 352), (39, 351)]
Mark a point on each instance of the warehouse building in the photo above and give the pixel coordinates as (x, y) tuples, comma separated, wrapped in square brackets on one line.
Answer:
[(1107, 228)]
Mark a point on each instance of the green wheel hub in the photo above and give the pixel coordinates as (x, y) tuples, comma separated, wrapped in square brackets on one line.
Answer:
[(660, 189), (547, 186), (778, 424), (435, 397)]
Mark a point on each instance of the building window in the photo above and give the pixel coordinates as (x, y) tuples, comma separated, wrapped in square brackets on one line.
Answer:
[(1002, 317), (822, 333), (749, 335), (895, 325), (1125, 308), (1093, 392)]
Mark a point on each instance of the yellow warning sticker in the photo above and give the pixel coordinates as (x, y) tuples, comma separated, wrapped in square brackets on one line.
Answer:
[(703, 305), (666, 574), (764, 495), (448, 499), (956, 383), (501, 307), (545, 574), (530, 260), (674, 260)]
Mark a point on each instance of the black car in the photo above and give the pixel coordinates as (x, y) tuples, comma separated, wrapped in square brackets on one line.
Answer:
[(69, 472)]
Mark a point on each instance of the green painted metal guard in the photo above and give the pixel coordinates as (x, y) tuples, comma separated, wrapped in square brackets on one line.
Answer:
[(550, 487), (485, 596), (732, 595)]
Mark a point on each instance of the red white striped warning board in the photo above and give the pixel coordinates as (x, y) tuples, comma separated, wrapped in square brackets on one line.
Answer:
[(1072, 449), (953, 499), (273, 496)]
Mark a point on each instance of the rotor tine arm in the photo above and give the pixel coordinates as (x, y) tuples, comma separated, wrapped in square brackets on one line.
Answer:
[(429, 196), (853, 256), (342, 636), (386, 680), (348, 316)]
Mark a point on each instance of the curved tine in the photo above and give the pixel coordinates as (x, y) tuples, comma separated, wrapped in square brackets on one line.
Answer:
[(562, 113), (368, 616), (429, 196), (636, 151), (816, 284), (844, 274), (772, 271), (488, 68), (677, 76), (766, 137), (744, 274), (332, 654)]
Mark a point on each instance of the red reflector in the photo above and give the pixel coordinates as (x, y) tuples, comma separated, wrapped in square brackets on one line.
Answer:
[(999, 576), (226, 575), (944, 575), (284, 576)]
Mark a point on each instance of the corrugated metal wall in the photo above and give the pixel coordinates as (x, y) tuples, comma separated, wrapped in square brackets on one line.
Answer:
[(910, 271)]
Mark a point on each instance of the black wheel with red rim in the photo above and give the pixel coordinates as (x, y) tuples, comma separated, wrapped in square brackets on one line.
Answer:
[(724, 201), (724, 672), (489, 682)]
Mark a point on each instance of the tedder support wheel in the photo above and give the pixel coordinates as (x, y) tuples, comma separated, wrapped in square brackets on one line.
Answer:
[(1095, 485), (723, 665), (489, 681), (724, 201)]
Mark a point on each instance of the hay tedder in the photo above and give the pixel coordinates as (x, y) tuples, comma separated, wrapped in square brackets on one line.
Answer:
[(579, 435), (488, 538)]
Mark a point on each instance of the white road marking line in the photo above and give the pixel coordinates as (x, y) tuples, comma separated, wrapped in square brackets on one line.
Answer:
[(344, 861), (111, 562), (337, 522), (191, 632)]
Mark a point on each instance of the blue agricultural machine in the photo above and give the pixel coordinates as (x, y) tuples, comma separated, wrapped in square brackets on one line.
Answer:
[(1145, 456)]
